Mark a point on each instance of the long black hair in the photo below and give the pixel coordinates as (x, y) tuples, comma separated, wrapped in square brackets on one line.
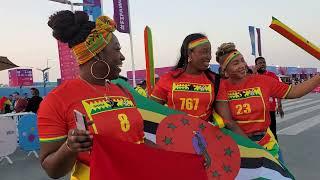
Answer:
[(184, 55), (184, 50)]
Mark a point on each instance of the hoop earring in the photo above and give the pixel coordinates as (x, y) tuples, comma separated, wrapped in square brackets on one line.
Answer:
[(189, 59), (91, 70)]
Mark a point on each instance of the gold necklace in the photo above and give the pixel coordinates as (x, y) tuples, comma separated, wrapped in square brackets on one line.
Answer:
[(107, 83)]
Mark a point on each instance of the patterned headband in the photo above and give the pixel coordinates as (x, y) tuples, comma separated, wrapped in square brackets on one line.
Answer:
[(198, 42), (232, 56), (98, 39)]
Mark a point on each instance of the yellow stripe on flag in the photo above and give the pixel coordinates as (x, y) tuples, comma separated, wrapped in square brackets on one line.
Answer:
[(151, 116), (246, 152)]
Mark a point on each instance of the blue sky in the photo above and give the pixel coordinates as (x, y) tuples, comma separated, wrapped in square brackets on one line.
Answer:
[(26, 39)]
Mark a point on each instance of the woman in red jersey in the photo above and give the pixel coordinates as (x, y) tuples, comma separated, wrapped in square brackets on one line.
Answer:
[(110, 110), (191, 87), (248, 95)]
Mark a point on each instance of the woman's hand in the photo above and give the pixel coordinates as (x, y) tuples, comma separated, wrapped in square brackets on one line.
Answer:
[(79, 140)]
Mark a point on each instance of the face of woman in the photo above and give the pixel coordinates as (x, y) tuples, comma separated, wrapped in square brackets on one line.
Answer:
[(236, 69), (112, 55), (200, 57)]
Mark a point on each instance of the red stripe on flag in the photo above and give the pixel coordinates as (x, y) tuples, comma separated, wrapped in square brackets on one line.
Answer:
[(296, 40)]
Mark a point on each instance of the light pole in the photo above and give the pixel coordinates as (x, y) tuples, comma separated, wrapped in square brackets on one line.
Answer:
[(71, 3), (44, 78)]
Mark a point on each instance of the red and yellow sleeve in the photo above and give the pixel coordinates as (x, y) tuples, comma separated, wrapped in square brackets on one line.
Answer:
[(278, 89), (52, 125), (161, 89), (222, 93)]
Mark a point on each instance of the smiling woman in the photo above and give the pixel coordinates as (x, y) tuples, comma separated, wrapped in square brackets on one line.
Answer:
[(92, 95), (191, 87), (248, 95)]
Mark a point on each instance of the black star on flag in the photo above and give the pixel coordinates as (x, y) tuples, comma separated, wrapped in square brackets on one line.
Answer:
[(167, 140), (202, 126), (172, 126), (227, 169), (185, 122), (218, 137), (228, 152), (215, 174)]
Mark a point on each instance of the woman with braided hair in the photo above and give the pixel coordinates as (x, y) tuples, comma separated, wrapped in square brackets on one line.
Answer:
[(64, 147), (191, 87), (248, 95)]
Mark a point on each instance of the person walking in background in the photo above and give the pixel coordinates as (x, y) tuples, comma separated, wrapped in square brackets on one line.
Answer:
[(275, 104), (34, 101), (20, 102)]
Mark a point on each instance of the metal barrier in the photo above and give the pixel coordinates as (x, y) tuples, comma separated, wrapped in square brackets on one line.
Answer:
[(14, 134)]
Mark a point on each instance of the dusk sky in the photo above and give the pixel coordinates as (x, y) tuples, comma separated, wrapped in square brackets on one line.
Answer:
[(26, 39)]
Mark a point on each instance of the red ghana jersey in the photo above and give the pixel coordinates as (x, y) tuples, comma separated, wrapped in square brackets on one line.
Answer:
[(192, 94), (272, 100), (248, 100), (115, 116)]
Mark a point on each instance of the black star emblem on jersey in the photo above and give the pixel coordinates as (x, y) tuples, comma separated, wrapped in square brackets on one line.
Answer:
[(202, 126), (185, 122), (215, 174), (172, 126), (113, 105), (191, 88), (228, 152), (167, 140), (227, 169)]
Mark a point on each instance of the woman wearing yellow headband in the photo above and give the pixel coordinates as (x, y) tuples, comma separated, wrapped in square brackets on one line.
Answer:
[(109, 109), (248, 95), (191, 87)]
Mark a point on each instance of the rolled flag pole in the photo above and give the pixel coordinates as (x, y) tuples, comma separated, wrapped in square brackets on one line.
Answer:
[(148, 47), (294, 37), (253, 40), (259, 41)]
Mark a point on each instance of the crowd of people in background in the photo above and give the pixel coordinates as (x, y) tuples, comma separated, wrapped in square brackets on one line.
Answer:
[(16, 103)]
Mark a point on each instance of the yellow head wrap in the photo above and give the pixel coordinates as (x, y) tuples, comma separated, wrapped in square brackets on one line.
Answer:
[(99, 38)]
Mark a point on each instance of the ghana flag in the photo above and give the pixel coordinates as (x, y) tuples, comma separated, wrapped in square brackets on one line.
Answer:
[(255, 161), (295, 37)]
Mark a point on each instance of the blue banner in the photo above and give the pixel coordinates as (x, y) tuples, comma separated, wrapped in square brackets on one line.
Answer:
[(293, 70), (28, 133), (253, 40), (92, 8), (272, 69), (214, 68)]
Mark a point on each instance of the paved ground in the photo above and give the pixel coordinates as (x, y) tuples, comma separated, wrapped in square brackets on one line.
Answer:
[(299, 134)]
